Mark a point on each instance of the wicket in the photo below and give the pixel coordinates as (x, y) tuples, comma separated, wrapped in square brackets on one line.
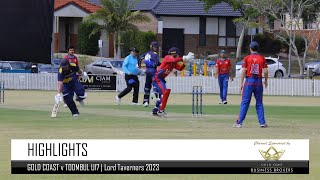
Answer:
[(2, 92), (196, 107)]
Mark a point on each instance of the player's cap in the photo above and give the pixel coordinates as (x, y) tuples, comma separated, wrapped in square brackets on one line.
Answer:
[(133, 49), (154, 44), (223, 52), (254, 45), (64, 63), (174, 50)]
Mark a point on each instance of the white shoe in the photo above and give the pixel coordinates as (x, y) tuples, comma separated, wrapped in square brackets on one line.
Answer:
[(146, 104), (75, 115), (236, 125), (65, 105), (224, 102), (135, 104), (118, 100)]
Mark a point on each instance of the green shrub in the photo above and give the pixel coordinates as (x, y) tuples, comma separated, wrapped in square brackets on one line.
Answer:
[(267, 44), (138, 39), (299, 42), (88, 44)]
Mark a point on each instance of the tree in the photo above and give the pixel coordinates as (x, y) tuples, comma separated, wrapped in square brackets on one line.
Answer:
[(306, 11), (88, 43), (117, 18), (248, 13)]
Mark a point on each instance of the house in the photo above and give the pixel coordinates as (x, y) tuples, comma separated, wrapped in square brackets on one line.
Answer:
[(186, 25), (300, 27), (68, 14)]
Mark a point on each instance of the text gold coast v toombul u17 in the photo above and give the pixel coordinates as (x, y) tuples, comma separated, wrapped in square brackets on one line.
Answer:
[(139, 156)]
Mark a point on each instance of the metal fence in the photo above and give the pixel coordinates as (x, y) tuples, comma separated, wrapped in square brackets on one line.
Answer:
[(1, 92), (177, 84)]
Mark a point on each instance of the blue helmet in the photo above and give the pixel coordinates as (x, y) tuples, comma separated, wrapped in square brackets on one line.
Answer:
[(174, 50), (64, 63)]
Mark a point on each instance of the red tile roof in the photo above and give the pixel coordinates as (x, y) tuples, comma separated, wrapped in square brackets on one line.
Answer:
[(83, 4)]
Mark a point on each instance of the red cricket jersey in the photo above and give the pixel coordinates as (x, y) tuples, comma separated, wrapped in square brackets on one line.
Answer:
[(254, 63), (166, 67), (72, 59), (223, 66)]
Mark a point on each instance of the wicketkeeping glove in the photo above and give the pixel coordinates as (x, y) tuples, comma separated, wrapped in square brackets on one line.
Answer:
[(189, 57)]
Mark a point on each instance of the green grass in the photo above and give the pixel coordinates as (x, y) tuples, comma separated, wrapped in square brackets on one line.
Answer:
[(117, 122)]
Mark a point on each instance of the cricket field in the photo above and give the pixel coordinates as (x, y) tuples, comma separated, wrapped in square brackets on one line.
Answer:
[(26, 115)]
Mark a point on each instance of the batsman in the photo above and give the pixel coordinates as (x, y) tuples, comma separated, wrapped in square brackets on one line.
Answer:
[(68, 84), (160, 92)]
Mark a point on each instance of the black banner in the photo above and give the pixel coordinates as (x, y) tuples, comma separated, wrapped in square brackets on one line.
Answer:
[(100, 82), (159, 167), (26, 30)]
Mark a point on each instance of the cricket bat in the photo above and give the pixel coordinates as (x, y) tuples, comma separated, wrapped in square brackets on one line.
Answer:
[(55, 110)]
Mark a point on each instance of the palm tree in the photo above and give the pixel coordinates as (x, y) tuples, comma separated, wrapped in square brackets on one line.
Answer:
[(117, 18)]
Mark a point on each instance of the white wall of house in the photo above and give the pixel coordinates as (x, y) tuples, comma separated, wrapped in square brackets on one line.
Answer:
[(189, 24), (212, 26), (105, 49), (71, 11)]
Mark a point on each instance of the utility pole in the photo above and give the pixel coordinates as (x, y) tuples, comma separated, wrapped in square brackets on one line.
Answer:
[(290, 36)]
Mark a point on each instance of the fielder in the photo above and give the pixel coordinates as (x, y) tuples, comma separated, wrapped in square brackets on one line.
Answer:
[(160, 92), (68, 84), (151, 59), (252, 68), (223, 70), (71, 57)]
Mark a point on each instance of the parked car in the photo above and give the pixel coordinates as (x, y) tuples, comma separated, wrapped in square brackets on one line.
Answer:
[(15, 67), (49, 68), (275, 68), (314, 66), (107, 67)]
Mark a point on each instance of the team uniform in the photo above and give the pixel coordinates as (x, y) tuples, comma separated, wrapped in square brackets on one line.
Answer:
[(159, 84), (72, 59), (255, 64), (223, 66), (151, 59), (71, 86)]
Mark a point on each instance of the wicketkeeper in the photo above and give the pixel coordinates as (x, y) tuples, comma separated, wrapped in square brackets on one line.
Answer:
[(68, 84), (160, 91)]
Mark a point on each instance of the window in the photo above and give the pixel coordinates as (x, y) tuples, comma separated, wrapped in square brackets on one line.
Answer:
[(116, 64), (202, 31), (98, 63), (284, 20), (228, 33), (270, 61), (106, 64)]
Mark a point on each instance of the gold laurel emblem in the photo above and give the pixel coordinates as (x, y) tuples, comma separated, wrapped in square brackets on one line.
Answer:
[(272, 154)]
